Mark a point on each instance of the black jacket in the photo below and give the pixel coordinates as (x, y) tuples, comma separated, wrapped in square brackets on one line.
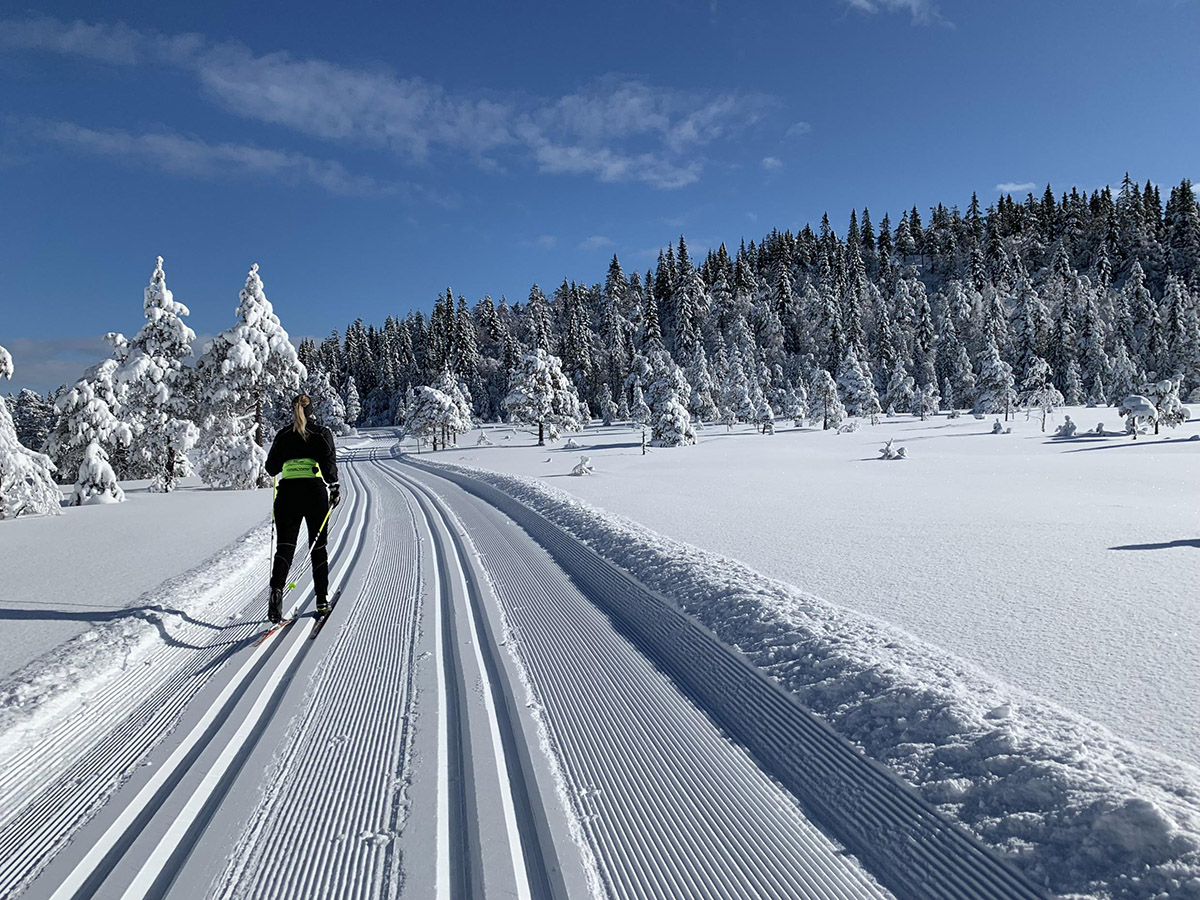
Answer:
[(318, 445)]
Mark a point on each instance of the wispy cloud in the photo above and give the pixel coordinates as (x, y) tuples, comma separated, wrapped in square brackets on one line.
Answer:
[(798, 129), (923, 12), (546, 241), (616, 129), (1015, 187), (182, 155), (596, 242), (771, 163)]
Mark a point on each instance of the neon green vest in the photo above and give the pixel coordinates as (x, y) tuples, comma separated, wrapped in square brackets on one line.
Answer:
[(301, 468)]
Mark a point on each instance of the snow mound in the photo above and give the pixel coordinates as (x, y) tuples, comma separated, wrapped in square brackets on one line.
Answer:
[(1077, 809)]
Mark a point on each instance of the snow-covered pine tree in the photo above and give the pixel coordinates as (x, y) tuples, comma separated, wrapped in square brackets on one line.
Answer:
[(671, 425), (855, 388), (154, 385), (608, 409), (86, 423), (460, 422), (26, 477), (926, 401), (639, 412), (241, 370), (622, 413), (33, 417), (994, 392), (327, 406), (824, 405), (797, 408), (1164, 394), (900, 390), (1125, 375), (701, 404), (352, 402), (541, 394), (766, 419), (431, 416)]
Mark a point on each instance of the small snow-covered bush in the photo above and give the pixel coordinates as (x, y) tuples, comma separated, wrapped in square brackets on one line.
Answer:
[(584, 467), (887, 451), (1066, 429), (849, 427), (571, 444)]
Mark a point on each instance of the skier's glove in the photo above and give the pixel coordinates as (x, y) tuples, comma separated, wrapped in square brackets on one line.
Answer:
[(335, 494)]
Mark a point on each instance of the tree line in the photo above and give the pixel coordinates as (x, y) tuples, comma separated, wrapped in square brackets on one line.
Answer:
[(1069, 298)]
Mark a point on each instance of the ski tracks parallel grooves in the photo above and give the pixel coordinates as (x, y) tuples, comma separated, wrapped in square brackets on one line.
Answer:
[(542, 873), (41, 829), (327, 826), (899, 837), (671, 807)]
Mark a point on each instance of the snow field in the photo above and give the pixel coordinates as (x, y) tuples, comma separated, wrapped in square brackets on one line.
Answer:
[(1075, 806)]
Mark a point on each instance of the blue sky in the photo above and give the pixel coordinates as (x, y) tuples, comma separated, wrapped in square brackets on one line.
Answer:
[(368, 156)]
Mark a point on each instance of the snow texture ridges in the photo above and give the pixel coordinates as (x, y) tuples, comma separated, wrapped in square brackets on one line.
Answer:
[(1072, 806)]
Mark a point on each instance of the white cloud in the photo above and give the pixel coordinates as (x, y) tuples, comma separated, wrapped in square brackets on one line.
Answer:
[(181, 155), (596, 242), (798, 129), (923, 12), (616, 129), (771, 163), (547, 241), (1015, 187)]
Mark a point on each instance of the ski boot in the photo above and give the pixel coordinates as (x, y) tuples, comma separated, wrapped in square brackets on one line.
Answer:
[(275, 606), (323, 606)]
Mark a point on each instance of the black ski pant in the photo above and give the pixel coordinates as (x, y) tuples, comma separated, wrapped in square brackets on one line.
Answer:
[(296, 500)]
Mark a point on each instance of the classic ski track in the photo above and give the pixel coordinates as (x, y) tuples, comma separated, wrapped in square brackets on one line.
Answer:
[(899, 837), (533, 866), (42, 828), (669, 805), (328, 824)]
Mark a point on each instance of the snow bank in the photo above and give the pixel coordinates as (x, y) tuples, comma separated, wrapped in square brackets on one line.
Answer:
[(1077, 809), (51, 685)]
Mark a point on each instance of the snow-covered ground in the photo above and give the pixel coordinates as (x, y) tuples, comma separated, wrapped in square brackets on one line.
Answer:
[(1067, 568), (104, 575), (1007, 620)]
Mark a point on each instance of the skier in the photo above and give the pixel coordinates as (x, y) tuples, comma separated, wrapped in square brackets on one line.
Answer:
[(307, 489)]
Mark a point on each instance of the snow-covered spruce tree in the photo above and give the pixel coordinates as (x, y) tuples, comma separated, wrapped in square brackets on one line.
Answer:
[(153, 382), (33, 416), (95, 395), (797, 404), (27, 485), (86, 417), (639, 413), (766, 419), (541, 394), (431, 415), (994, 391), (824, 405), (701, 404), (855, 388), (327, 405), (352, 402), (900, 391), (671, 424), (1125, 374), (608, 409), (460, 422), (926, 401), (622, 412), (1164, 394), (241, 369)]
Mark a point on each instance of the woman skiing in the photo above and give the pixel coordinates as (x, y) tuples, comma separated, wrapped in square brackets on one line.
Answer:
[(303, 455)]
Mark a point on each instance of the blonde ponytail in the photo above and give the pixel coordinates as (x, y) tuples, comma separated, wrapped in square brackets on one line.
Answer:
[(299, 420)]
